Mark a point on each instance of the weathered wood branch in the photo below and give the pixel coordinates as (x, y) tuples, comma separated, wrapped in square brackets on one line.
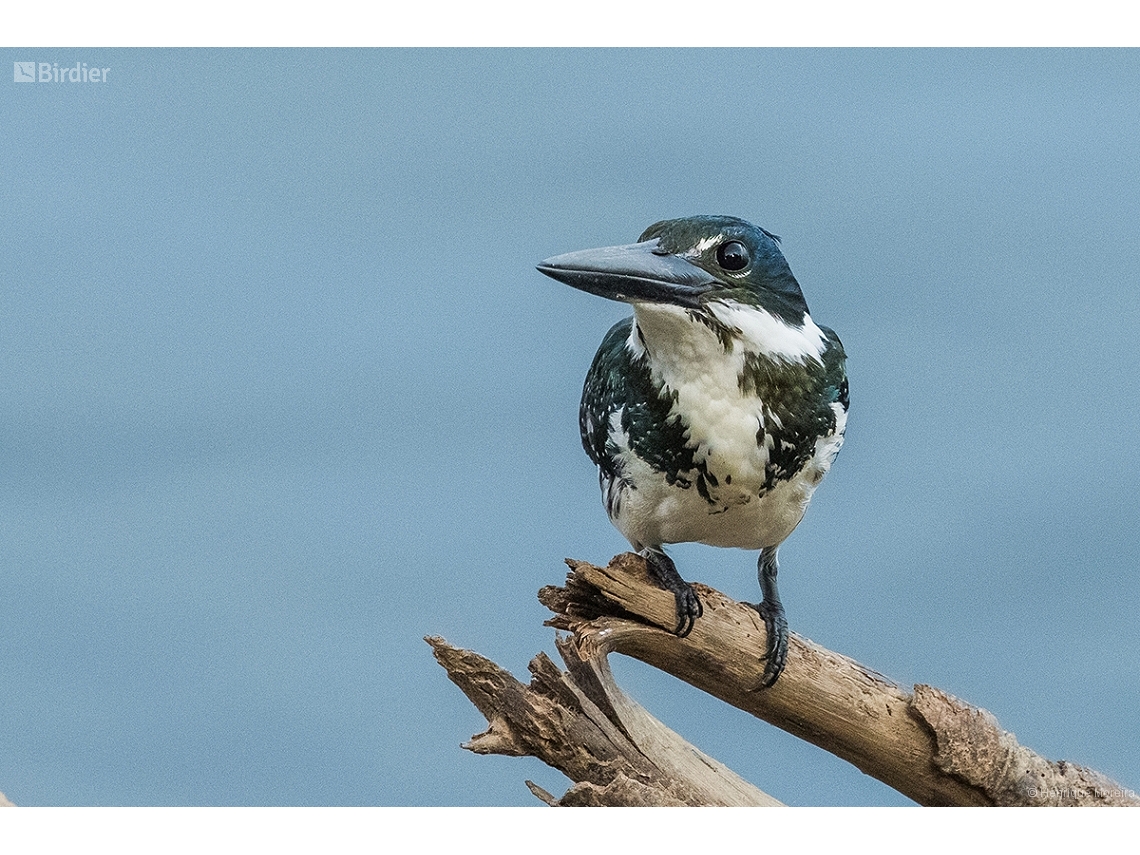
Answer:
[(926, 744), (582, 724)]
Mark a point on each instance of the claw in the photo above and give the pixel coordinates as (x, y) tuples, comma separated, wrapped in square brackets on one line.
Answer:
[(689, 606), (776, 655)]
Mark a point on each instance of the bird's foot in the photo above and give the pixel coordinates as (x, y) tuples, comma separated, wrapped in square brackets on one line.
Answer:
[(776, 655), (689, 607)]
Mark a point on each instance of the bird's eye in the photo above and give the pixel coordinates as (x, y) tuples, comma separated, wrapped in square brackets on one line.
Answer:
[(733, 255)]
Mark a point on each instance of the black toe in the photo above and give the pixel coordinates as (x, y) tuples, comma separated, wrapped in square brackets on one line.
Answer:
[(689, 607), (776, 655)]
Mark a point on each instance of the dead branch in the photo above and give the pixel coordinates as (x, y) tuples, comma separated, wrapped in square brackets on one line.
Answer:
[(582, 724), (926, 744)]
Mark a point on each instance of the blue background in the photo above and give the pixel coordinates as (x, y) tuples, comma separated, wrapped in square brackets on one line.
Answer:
[(281, 393)]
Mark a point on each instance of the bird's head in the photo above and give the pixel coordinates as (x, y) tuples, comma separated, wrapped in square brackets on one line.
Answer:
[(689, 262)]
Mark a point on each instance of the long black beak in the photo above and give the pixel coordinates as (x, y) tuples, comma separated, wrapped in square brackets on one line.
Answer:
[(632, 273)]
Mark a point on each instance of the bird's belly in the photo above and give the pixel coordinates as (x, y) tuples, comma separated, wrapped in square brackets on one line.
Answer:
[(737, 515)]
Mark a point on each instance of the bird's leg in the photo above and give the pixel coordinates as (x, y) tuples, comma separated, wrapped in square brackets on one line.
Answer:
[(662, 568), (772, 611)]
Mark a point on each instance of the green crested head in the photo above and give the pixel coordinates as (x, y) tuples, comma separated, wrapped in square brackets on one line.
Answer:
[(745, 260)]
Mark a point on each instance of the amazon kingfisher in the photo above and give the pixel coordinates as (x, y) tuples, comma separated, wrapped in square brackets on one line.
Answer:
[(715, 411)]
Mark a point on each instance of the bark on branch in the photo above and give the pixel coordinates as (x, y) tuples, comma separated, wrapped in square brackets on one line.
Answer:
[(926, 744)]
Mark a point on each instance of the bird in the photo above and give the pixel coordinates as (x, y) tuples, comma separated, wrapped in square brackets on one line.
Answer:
[(714, 411)]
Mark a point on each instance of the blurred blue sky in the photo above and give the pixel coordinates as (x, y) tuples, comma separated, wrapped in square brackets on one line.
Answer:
[(281, 393)]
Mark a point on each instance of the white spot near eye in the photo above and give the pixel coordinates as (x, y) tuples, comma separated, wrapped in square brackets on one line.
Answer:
[(704, 245)]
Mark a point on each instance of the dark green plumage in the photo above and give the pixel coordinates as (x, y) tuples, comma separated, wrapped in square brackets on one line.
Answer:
[(800, 395), (619, 382)]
